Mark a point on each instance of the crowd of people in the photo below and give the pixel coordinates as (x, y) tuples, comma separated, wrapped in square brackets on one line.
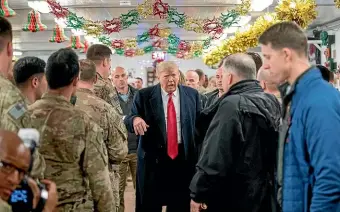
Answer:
[(259, 136)]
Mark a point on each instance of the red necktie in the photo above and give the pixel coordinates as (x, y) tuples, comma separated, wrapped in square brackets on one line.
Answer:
[(172, 129)]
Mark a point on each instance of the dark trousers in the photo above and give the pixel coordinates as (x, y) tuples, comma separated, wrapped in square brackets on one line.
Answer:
[(174, 191)]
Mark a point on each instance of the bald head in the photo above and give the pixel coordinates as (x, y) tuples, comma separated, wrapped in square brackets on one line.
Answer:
[(15, 159), (264, 77), (120, 78), (241, 65), (192, 79)]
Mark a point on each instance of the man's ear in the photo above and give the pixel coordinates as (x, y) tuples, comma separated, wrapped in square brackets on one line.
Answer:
[(35, 82), (75, 81), (10, 49)]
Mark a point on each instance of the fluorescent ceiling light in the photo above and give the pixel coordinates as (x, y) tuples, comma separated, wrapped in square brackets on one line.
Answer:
[(41, 6), (259, 5), (17, 53), (230, 30)]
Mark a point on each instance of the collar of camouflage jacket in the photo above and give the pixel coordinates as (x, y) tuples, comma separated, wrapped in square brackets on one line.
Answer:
[(85, 90), (55, 97)]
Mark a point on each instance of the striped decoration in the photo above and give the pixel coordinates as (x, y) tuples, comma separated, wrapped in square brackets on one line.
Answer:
[(34, 23)]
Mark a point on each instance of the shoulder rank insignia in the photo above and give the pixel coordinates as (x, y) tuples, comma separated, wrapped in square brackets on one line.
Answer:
[(17, 110)]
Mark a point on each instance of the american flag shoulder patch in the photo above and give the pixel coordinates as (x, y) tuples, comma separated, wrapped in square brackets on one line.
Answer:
[(17, 110)]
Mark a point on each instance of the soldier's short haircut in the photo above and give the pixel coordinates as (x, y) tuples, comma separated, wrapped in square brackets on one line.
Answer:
[(200, 73), (5, 33), (87, 70), (98, 52), (240, 64), (286, 35), (27, 67), (62, 68)]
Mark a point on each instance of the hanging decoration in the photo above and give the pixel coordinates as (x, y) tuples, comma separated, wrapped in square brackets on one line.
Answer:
[(57, 10), (129, 19), (324, 38), (34, 23), (157, 8), (337, 3), (93, 28), (58, 35), (86, 46), (242, 41), (160, 8), (299, 11), (118, 44), (115, 25), (5, 10), (145, 9), (76, 42), (159, 38)]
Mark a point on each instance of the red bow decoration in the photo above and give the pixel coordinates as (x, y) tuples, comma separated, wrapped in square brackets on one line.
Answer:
[(184, 46), (157, 43), (163, 11), (180, 55), (117, 44), (154, 31), (5, 10), (114, 25), (76, 42), (129, 53), (58, 35), (34, 22), (213, 27), (57, 10)]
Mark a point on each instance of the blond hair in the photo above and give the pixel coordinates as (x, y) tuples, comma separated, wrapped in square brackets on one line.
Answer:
[(166, 65)]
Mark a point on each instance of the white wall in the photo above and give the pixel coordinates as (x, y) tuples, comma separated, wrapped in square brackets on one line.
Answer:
[(139, 63)]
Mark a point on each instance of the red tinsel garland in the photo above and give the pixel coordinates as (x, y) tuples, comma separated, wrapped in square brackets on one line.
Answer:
[(57, 9), (154, 31), (129, 53), (162, 13), (117, 44), (114, 25), (213, 27)]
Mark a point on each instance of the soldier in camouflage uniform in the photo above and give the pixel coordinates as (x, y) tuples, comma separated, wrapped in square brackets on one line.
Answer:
[(71, 143), (100, 55), (115, 133), (13, 105)]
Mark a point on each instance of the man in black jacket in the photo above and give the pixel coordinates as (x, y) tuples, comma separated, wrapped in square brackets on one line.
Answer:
[(126, 94), (235, 168)]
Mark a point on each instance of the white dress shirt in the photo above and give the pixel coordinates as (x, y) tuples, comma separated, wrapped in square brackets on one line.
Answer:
[(176, 101)]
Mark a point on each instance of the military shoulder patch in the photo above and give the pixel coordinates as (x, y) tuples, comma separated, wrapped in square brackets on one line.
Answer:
[(17, 110)]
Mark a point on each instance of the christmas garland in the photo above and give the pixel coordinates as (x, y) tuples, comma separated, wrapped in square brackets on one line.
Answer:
[(173, 45), (213, 27), (301, 11)]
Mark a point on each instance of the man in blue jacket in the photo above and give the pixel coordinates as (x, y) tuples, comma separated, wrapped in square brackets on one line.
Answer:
[(309, 145)]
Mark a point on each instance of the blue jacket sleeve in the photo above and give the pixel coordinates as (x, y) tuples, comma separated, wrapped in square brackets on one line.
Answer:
[(323, 144), (135, 112)]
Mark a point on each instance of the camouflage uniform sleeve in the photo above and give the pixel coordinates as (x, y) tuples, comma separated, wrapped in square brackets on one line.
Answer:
[(39, 165), (96, 168), (117, 147)]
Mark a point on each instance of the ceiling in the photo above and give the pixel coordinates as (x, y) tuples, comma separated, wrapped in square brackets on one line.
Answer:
[(38, 44)]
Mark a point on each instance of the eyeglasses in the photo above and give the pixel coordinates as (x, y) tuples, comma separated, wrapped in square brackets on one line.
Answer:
[(8, 168)]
